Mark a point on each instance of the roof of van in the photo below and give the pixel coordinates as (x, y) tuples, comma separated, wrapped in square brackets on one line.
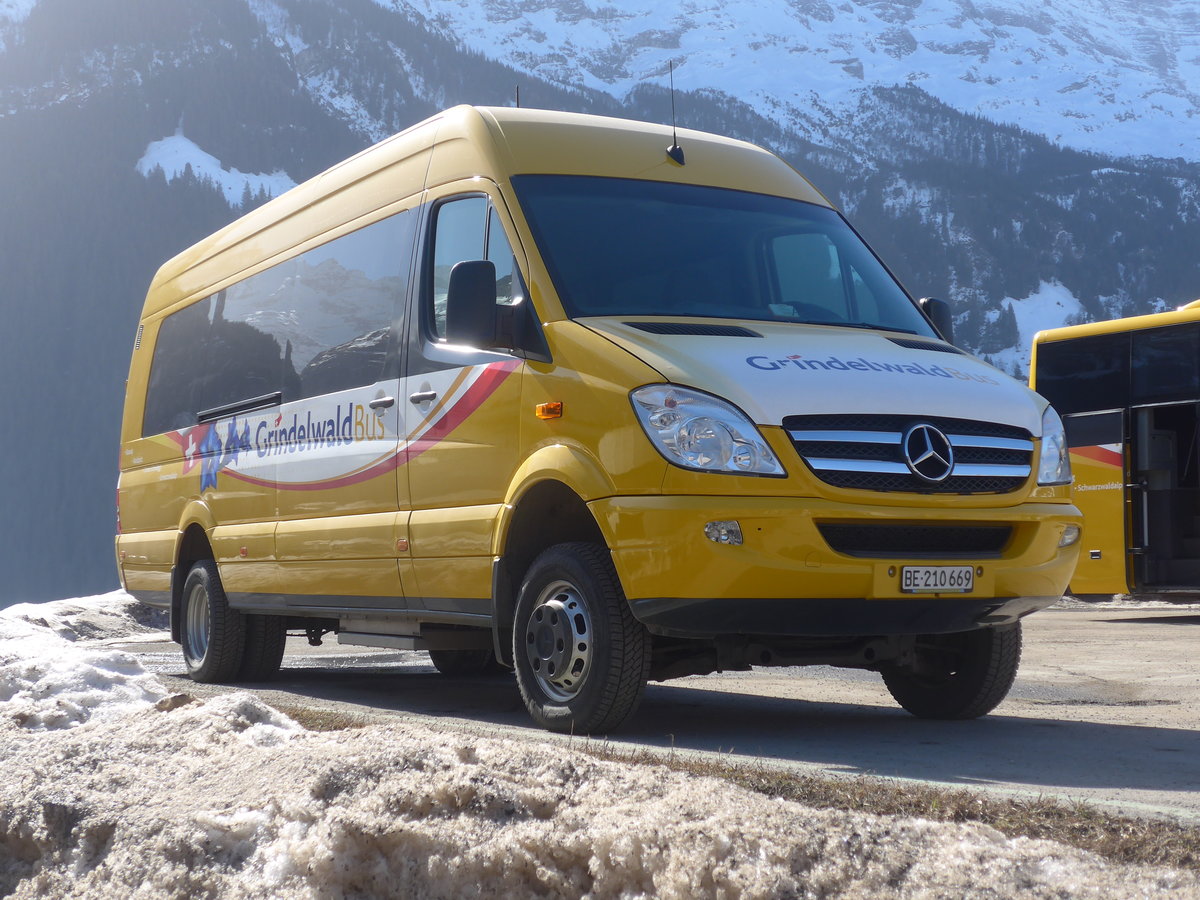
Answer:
[(492, 142)]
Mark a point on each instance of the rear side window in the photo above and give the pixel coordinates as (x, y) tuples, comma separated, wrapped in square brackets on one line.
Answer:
[(177, 366), (316, 324)]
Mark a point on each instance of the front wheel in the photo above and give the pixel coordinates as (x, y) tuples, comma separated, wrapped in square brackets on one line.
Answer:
[(581, 658), (958, 676)]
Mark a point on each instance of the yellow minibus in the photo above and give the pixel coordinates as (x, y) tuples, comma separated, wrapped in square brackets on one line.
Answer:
[(578, 397)]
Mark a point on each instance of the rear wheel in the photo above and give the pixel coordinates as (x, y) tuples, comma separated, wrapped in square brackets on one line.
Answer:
[(214, 635), (264, 643), (958, 676), (581, 658)]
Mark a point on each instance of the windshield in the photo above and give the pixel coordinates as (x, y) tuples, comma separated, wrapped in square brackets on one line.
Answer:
[(620, 247)]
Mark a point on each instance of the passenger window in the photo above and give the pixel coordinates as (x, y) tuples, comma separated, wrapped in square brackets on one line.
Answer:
[(1165, 364), (336, 313), (316, 324), (178, 364), (242, 358), (459, 234), (1086, 374)]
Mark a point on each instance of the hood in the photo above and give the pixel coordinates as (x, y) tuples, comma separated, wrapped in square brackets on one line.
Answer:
[(771, 370)]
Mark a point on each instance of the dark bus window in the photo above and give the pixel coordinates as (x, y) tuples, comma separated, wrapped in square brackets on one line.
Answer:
[(179, 361), (337, 313), (243, 359), (1085, 374), (1166, 364), (1094, 429)]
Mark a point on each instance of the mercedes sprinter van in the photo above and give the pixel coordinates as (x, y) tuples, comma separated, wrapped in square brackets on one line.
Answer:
[(563, 394)]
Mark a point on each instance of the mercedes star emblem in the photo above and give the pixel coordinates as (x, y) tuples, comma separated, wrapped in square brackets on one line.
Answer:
[(928, 453)]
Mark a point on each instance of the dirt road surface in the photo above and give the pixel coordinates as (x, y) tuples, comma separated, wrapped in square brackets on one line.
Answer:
[(1106, 709)]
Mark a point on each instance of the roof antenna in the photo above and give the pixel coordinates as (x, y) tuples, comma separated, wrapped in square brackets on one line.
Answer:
[(675, 152), (518, 96)]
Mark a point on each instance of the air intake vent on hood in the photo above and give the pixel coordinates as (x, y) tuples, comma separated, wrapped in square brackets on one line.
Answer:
[(926, 345), (698, 328)]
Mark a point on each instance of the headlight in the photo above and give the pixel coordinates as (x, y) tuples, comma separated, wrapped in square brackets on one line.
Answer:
[(699, 431), (1054, 465)]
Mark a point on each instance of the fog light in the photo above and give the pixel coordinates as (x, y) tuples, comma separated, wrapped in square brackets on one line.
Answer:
[(1069, 536), (723, 532)]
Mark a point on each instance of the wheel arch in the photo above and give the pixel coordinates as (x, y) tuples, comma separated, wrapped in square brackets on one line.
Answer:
[(548, 512), (193, 546)]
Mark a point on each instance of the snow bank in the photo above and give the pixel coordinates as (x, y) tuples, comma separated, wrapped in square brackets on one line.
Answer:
[(53, 675), (230, 798)]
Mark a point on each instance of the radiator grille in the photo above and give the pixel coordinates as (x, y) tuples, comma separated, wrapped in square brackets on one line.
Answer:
[(866, 452)]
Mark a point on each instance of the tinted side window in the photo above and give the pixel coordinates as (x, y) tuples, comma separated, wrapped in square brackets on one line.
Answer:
[(1166, 364), (1085, 374), (335, 315), (459, 234), (319, 323), (243, 359), (177, 366)]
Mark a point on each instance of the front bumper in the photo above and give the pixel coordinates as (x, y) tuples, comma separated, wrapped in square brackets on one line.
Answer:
[(786, 580)]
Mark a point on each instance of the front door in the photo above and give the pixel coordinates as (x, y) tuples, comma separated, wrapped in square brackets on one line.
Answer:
[(462, 409)]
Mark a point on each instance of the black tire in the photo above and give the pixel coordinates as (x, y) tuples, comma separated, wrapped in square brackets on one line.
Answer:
[(213, 634), (466, 662), (958, 676), (581, 658), (263, 653)]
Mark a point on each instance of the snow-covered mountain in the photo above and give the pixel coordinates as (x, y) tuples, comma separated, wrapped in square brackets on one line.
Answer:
[(1118, 77)]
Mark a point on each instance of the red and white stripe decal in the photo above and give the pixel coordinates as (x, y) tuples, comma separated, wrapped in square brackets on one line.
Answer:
[(1105, 454), (468, 392)]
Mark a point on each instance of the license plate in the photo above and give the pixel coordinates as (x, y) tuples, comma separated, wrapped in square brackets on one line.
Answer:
[(937, 579)]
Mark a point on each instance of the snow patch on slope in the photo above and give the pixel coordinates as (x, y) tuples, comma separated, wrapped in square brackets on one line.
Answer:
[(175, 154), (1049, 306)]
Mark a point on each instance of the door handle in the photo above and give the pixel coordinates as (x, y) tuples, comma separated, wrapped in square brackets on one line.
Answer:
[(382, 403), (422, 397)]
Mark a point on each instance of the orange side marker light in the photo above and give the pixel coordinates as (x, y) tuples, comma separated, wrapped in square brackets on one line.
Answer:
[(551, 410)]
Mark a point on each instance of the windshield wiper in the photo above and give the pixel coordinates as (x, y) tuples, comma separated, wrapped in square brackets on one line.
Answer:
[(865, 325)]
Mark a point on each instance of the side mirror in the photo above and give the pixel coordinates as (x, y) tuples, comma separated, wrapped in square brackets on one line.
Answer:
[(938, 312), (471, 304)]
